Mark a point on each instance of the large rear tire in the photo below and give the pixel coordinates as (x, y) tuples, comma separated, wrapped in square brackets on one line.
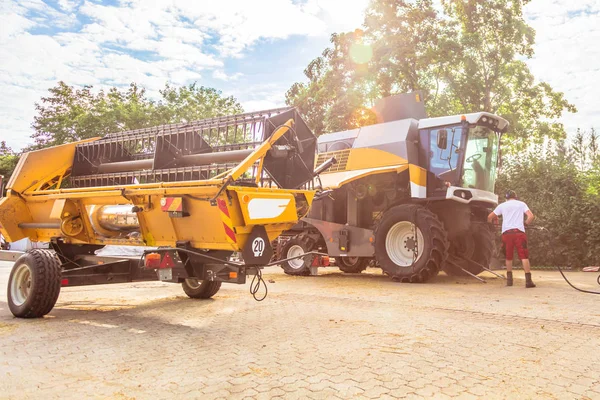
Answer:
[(476, 245), (34, 284), (403, 256), (352, 265), (295, 247), (196, 289)]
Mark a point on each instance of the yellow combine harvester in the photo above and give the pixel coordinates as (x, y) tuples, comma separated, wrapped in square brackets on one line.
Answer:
[(410, 194), (198, 191)]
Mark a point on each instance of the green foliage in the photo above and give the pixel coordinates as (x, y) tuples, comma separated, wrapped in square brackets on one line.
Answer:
[(8, 161), (192, 103), (564, 198), (69, 114), (467, 57)]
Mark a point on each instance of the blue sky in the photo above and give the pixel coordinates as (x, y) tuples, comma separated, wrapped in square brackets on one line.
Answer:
[(253, 50)]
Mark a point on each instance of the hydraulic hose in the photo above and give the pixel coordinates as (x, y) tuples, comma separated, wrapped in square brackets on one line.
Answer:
[(575, 287), (541, 228)]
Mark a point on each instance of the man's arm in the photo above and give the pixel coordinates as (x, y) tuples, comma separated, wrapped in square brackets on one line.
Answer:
[(493, 218), (530, 217)]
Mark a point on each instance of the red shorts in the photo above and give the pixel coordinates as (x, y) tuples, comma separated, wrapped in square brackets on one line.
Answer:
[(518, 239)]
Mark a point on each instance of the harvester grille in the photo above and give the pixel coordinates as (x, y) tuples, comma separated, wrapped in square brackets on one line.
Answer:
[(341, 157)]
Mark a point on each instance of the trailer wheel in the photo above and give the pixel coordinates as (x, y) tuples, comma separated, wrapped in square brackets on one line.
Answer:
[(34, 284), (404, 229), (352, 265), (477, 245), (196, 289), (295, 247)]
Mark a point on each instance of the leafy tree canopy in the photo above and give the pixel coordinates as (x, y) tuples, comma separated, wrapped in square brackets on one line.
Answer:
[(69, 114), (467, 56)]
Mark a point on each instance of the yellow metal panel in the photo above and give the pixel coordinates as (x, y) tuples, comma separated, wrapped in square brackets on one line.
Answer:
[(372, 158), (261, 208), (13, 211), (203, 228), (57, 209), (40, 166), (418, 175), (337, 179)]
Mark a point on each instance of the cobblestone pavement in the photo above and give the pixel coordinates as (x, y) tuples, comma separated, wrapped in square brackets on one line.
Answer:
[(345, 336)]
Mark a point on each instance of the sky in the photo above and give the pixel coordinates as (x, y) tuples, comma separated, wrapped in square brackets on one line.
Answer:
[(254, 50)]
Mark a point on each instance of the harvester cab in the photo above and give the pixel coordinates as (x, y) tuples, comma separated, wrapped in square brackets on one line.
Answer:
[(460, 154), (409, 193)]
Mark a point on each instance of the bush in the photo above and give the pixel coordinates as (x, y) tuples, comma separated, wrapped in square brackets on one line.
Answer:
[(564, 202)]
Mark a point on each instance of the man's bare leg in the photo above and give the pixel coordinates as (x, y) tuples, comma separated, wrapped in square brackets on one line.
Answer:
[(526, 265), (509, 276), (527, 268)]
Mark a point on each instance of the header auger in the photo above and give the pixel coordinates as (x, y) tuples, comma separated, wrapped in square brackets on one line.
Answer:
[(198, 190)]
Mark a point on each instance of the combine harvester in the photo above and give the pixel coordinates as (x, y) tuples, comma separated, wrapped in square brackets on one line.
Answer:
[(409, 193), (198, 191)]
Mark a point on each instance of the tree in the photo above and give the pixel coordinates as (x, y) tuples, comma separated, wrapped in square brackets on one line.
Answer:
[(192, 103), (69, 114), (8, 161), (338, 95), (466, 57)]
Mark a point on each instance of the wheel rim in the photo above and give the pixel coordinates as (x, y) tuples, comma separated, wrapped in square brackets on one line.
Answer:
[(193, 283), (20, 287), (295, 251), (349, 261), (400, 241)]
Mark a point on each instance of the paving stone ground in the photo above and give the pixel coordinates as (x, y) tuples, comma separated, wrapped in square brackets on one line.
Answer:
[(334, 335)]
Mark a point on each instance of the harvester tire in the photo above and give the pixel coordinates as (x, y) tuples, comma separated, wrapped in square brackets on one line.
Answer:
[(196, 289), (34, 284), (296, 246), (394, 237), (481, 251), (352, 265)]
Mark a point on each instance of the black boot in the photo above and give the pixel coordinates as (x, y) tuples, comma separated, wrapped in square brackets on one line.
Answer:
[(528, 282), (509, 281)]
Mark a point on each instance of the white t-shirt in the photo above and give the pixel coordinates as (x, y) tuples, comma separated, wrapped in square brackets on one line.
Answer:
[(512, 212)]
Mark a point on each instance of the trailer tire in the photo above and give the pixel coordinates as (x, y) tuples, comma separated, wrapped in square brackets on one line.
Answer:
[(352, 265), (483, 248), (34, 284), (298, 267), (392, 233), (196, 289)]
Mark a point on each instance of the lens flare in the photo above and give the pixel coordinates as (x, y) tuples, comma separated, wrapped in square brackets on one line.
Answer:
[(361, 53)]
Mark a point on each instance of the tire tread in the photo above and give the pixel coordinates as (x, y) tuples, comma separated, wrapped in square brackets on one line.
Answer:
[(46, 270)]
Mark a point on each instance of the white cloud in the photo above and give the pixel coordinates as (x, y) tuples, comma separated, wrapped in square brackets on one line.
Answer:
[(183, 41), (69, 5), (146, 42), (221, 75), (567, 54), (258, 105)]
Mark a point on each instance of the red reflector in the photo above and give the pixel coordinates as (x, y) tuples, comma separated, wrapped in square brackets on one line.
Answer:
[(167, 261), (64, 282)]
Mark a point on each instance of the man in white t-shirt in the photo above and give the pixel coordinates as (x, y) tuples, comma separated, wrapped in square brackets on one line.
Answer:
[(512, 212)]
